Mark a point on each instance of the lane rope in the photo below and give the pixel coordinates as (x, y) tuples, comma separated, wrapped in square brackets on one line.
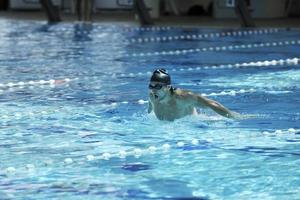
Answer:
[(202, 36), (135, 152), (215, 49), (266, 63), (52, 83), (149, 29)]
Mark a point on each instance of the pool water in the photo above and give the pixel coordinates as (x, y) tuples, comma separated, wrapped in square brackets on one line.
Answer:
[(90, 137)]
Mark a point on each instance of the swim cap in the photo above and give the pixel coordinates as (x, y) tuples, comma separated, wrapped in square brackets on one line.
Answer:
[(161, 75)]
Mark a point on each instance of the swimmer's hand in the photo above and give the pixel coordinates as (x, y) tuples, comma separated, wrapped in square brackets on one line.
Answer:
[(238, 116), (232, 115)]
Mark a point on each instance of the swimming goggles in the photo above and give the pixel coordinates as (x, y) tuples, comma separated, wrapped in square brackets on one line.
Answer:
[(157, 86)]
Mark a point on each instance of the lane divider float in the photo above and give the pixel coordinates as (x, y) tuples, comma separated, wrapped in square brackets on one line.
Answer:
[(135, 152), (215, 49), (203, 36)]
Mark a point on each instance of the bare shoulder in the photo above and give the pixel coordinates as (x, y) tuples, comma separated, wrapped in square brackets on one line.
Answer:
[(192, 98), (184, 94)]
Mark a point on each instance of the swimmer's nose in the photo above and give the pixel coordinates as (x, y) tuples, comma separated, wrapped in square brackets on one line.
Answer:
[(153, 93)]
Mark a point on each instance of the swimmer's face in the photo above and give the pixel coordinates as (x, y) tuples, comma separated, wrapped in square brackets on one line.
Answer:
[(157, 89)]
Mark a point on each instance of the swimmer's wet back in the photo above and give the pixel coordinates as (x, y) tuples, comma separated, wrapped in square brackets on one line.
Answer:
[(90, 136)]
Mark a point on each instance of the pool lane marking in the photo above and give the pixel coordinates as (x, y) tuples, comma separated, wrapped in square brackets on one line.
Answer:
[(215, 49), (234, 33), (52, 82), (16, 115), (133, 152), (149, 29), (21, 84), (140, 102), (222, 93), (266, 63), (237, 33), (81, 30)]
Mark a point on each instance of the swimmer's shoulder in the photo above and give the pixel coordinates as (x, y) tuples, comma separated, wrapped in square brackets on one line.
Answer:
[(184, 94)]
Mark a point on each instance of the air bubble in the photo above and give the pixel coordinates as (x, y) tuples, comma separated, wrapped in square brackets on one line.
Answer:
[(106, 156), (122, 154), (152, 149), (180, 144), (68, 161), (10, 170), (90, 157), (195, 142), (291, 130), (30, 167), (137, 152), (141, 101), (166, 147)]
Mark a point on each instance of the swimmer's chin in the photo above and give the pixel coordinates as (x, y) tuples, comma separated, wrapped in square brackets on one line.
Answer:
[(155, 96)]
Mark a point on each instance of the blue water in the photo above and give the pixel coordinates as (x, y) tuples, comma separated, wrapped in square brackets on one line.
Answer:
[(63, 141)]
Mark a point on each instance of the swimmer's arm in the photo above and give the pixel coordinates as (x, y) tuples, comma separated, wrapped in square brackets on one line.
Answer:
[(201, 101)]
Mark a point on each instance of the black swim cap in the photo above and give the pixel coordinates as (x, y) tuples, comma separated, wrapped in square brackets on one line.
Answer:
[(161, 75)]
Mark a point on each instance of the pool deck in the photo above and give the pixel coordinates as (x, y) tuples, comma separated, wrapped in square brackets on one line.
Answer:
[(116, 17)]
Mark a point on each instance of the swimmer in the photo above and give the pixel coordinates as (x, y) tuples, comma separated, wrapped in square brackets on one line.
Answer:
[(169, 103)]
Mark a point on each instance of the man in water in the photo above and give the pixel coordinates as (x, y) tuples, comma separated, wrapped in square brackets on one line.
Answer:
[(170, 103)]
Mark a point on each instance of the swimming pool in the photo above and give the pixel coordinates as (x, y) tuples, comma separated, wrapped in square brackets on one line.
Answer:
[(91, 137)]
